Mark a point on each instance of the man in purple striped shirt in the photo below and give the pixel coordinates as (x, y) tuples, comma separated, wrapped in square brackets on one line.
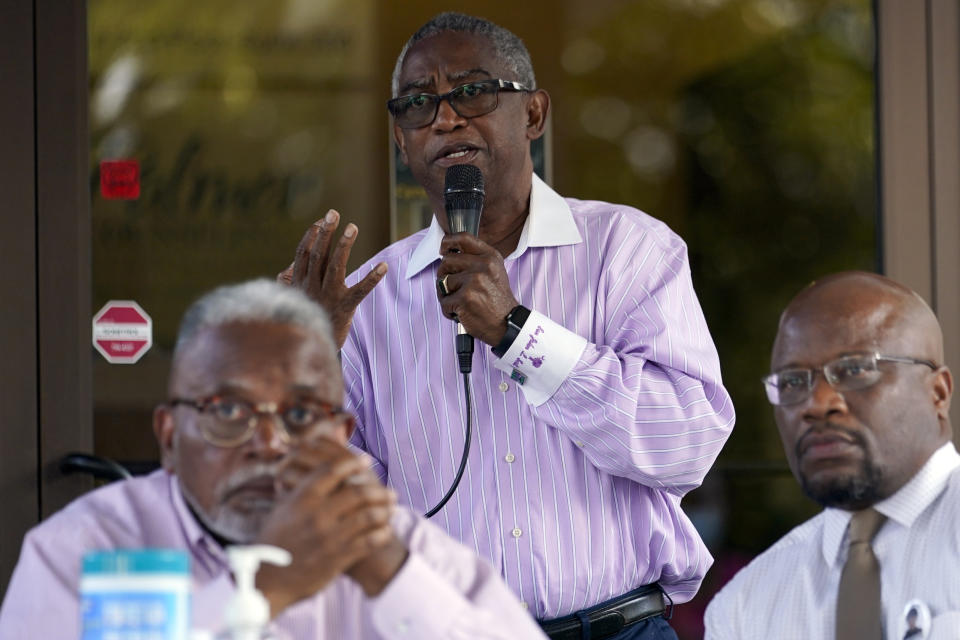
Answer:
[(600, 402)]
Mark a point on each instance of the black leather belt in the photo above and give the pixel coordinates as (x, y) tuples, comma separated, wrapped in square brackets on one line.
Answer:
[(609, 618)]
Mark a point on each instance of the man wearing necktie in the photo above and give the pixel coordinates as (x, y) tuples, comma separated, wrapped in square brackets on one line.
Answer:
[(861, 398)]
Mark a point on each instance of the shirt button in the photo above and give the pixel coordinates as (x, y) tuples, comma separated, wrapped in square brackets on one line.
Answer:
[(516, 533), (524, 605), (579, 443), (509, 457), (504, 386)]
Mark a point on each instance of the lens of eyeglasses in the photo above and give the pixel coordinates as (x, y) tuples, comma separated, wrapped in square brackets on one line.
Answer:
[(849, 373), (414, 111), (300, 419), (468, 100), (787, 387), (234, 421), (475, 99), (852, 372), (229, 411)]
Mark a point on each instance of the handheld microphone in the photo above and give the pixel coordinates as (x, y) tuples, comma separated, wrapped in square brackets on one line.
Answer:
[(463, 200)]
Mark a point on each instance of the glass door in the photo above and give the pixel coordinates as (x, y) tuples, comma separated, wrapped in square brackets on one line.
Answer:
[(218, 132)]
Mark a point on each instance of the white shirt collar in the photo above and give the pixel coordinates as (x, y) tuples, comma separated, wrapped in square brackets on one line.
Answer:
[(550, 224), (903, 507)]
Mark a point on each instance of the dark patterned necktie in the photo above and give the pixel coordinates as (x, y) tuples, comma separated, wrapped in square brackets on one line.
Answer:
[(858, 600)]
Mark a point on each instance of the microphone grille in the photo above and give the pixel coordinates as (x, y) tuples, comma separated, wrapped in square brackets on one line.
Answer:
[(463, 177)]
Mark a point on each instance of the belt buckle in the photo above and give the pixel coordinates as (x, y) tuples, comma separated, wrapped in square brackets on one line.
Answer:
[(613, 618)]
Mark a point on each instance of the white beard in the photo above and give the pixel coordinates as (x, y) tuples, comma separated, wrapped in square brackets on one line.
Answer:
[(225, 521)]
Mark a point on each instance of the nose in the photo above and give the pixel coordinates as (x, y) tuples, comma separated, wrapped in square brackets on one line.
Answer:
[(270, 439), (824, 400), (447, 118)]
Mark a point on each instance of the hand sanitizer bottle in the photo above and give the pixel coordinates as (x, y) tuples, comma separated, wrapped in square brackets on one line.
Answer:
[(248, 613), (135, 593)]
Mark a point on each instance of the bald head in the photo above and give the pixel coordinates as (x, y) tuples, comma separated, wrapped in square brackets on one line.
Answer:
[(858, 364), (868, 304)]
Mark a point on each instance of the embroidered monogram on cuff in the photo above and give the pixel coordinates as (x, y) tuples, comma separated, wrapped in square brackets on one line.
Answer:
[(541, 357)]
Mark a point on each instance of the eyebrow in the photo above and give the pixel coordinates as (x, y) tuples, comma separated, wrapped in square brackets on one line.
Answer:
[(237, 388), (230, 387), (302, 390), (424, 84)]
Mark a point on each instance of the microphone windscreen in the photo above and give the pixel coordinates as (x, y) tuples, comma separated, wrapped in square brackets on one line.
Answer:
[(463, 177), (463, 197)]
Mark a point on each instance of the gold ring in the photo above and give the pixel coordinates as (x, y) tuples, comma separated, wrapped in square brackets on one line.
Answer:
[(442, 285)]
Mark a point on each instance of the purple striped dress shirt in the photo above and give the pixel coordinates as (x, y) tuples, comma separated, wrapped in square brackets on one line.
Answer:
[(574, 481)]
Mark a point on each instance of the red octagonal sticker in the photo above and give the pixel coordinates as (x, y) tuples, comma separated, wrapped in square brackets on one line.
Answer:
[(122, 331)]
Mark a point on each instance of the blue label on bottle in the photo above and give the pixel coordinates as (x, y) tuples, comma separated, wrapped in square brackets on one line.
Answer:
[(124, 615)]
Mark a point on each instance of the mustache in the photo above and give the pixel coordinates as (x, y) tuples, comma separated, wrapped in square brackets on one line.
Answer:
[(824, 429), (245, 475)]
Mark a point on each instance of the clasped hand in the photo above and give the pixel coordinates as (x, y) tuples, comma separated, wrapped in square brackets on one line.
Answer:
[(333, 516)]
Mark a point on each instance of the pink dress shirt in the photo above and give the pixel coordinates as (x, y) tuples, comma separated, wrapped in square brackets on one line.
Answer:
[(442, 591)]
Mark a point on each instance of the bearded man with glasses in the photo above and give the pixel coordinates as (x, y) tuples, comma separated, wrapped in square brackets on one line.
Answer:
[(861, 397), (599, 402), (253, 442)]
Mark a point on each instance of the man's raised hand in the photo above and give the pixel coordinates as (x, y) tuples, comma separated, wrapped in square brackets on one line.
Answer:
[(320, 269)]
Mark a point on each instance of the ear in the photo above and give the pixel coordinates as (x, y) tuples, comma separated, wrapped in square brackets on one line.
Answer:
[(345, 428), (538, 108), (401, 144), (164, 429), (942, 391)]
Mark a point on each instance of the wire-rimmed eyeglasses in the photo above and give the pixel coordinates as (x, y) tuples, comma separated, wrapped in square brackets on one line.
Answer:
[(234, 421), (848, 373), (468, 101)]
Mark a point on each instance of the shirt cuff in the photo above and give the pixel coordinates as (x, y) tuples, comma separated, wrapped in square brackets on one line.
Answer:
[(402, 610), (541, 357)]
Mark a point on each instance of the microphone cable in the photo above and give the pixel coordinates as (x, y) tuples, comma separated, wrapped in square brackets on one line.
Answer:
[(466, 449)]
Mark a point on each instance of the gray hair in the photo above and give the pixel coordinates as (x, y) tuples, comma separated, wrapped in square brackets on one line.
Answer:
[(254, 301), (508, 48)]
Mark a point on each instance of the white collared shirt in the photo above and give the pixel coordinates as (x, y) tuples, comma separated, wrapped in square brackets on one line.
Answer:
[(790, 590), (549, 224)]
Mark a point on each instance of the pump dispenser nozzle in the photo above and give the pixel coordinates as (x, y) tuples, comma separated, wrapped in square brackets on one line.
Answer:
[(249, 612)]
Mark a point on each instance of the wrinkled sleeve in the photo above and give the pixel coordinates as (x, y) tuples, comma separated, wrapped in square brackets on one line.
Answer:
[(42, 599), (445, 591), (645, 399)]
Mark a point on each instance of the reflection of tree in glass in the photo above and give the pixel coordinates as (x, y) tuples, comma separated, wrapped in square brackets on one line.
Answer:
[(747, 125), (781, 190)]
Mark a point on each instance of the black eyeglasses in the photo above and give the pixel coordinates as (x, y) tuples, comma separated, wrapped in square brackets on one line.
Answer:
[(468, 100), (793, 386), (234, 421)]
